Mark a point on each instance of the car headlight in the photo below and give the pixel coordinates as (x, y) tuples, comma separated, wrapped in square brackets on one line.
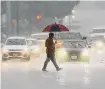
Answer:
[(99, 51), (99, 44), (61, 52), (59, 43), (36, 49), (26, 49), (5, 50), (85, 52)]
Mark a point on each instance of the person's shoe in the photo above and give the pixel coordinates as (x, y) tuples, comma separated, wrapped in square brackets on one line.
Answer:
[(59, 69), (44, 70)]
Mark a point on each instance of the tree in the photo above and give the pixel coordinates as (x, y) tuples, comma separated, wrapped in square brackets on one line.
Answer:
[(47, 8), (3, 7)]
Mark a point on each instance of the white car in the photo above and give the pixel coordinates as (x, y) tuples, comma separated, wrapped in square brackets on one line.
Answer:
[(15, 47), (40, 36), (34, 46), (97, 37), (97, 33)]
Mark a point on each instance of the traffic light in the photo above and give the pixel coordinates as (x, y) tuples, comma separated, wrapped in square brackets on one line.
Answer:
[(38, 17), (14, 21)]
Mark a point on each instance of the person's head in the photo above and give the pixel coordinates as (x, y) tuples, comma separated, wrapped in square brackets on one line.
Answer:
[(51, 35)]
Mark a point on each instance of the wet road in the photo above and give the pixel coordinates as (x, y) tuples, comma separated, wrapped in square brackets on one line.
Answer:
[(28, 75)]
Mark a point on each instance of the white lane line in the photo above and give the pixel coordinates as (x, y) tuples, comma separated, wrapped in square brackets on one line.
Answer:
[(86, 78)]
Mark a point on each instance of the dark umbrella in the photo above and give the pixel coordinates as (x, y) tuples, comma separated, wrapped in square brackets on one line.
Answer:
[(55, 28)]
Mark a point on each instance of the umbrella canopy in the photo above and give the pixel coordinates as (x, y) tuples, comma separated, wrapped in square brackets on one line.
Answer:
[(55, 28)]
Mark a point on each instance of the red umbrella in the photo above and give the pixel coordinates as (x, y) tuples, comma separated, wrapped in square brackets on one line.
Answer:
[(55, 28)]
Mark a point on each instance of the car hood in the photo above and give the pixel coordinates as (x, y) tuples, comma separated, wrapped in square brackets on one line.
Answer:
[(15, 47), (34, 46), (74, 49)]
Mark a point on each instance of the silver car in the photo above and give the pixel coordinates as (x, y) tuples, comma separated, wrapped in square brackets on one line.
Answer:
[(73, 50)]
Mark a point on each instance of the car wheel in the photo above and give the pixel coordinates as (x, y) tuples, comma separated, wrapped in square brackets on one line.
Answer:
[(4, 59), (27, 59)]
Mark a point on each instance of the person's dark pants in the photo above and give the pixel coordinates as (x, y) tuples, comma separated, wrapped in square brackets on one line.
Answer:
[(50, 56)]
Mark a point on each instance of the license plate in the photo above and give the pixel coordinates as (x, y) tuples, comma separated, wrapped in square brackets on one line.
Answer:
[(73, 57), (14, 54)]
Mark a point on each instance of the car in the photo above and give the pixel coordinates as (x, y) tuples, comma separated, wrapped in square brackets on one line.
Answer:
[(73, 50), (62, 36), (34, 46), (96, 39), (15, 47), (98, 30), (96, 44), (42, 37), (97, 34)]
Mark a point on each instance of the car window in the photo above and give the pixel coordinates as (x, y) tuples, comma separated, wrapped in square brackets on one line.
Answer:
[(99, 31), (32, 42), (16, 42), (74, 44), (70, 36)]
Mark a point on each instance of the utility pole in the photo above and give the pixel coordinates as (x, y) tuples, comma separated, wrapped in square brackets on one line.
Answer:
[(8, 15), (69, 22), (17, 18)]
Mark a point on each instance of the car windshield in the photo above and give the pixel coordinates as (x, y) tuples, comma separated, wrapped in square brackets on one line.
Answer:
[(74, 44), (16, 42), (69, 36), (99, 31), (33, 42)]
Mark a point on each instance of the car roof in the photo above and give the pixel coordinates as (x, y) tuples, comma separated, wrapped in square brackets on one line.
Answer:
[(16, 37), (73, 40), (31, 39), (43, 33), (101, 27)]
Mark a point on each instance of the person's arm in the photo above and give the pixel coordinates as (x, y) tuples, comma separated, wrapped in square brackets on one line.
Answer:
[(46, 45), (55, 40)]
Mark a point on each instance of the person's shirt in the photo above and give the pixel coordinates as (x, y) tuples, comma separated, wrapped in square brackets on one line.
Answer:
[(50, 45)]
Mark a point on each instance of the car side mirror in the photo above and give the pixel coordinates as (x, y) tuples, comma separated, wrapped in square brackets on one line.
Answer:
[(84, 38)]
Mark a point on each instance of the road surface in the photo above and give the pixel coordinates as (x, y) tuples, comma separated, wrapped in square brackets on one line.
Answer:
[(17, 74)]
